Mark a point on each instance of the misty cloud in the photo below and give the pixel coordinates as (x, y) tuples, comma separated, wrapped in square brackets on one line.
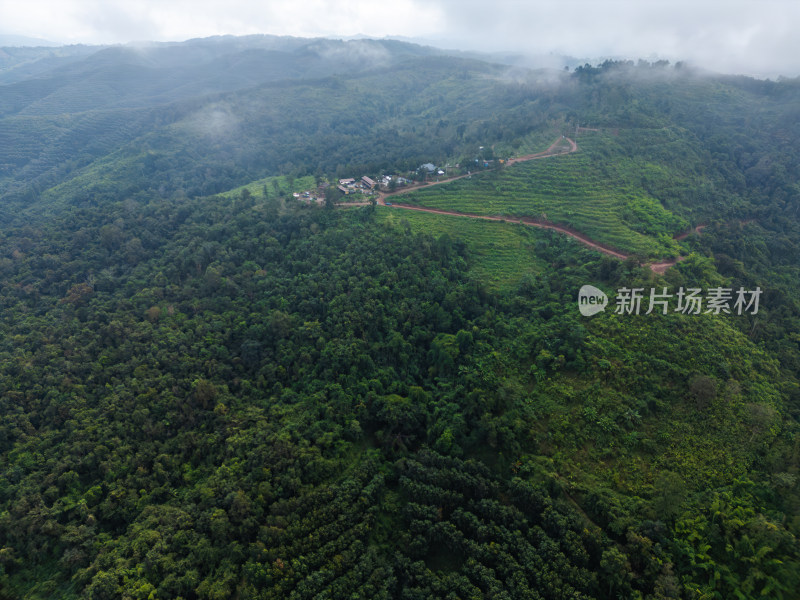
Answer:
[(121, 21), (357, 52), (740, 36), (215, 123), (735, 36)]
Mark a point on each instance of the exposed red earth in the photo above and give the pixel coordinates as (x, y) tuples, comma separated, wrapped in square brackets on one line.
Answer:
[(523, 221), (661, 267), (658, 267), (551, 151), (698, 230)]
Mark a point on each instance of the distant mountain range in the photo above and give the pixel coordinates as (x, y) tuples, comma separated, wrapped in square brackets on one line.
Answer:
[(86, 123), (211, 388), (8, 40), (62, 109)]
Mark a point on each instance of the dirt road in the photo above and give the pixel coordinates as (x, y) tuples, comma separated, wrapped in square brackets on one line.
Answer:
[(551, 151), (659, 267), (685, 234), (522, 221)]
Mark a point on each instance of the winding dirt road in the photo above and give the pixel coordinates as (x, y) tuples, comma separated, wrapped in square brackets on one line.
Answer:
[(586, 241), (658, 267), (551, 151), (698, 230)]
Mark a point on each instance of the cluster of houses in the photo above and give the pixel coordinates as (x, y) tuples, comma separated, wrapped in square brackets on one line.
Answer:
[(430, 168), (367, 185)]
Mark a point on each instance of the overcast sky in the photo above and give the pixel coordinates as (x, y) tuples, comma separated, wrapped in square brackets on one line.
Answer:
[(741, 36)]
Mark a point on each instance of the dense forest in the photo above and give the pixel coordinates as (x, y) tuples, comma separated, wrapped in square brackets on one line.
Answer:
[(211, 389)]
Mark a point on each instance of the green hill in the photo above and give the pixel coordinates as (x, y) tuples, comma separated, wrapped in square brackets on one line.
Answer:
[(209, 389), (587, 191)]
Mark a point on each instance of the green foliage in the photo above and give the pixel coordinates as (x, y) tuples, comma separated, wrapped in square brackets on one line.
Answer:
[(244, 396), (501, 254), (591, 191)]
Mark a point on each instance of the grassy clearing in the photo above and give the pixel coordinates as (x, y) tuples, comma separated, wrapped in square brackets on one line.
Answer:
[(273, 187), (592, 191), (530, 144), (502, 253)]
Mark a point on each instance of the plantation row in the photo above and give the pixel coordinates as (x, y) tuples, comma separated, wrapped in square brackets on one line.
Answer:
[(537, 141), (671, 166), (502, 254), (483, 538), (570, 190), (50, 152)]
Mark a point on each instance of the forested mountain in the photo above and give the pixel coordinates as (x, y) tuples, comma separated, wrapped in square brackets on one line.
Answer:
[(172, 108), (212, 389)]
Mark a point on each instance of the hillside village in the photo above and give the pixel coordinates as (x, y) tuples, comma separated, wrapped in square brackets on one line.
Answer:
[(368, 186)]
